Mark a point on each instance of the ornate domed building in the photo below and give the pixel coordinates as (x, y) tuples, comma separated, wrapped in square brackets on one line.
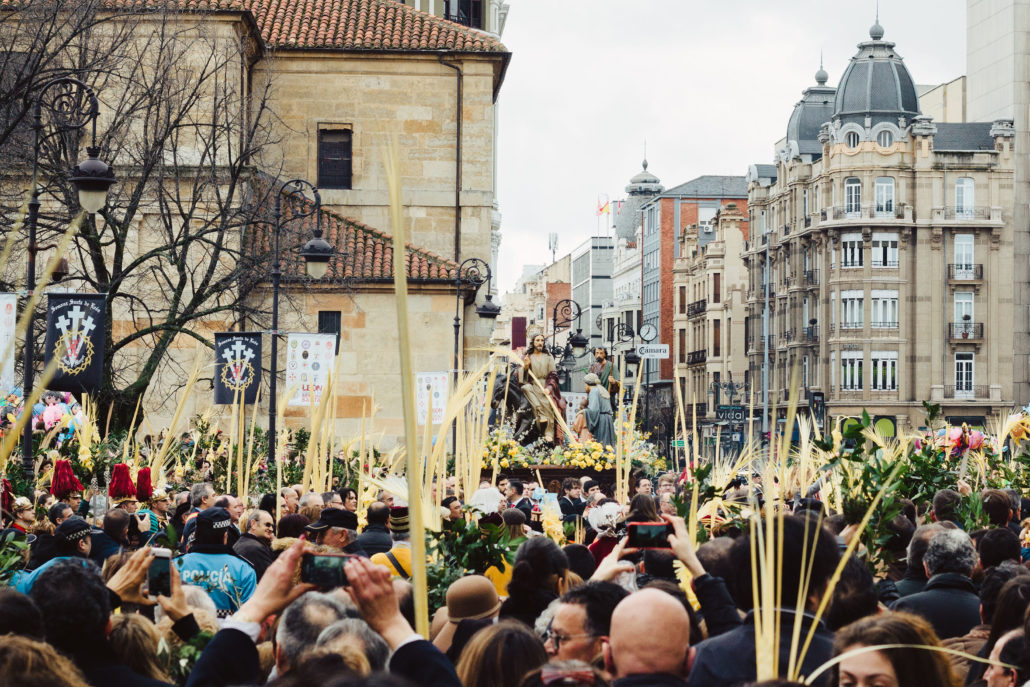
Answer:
[(642, 187), (884, 240)]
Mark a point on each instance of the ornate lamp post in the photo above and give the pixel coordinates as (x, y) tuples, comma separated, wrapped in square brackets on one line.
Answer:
[(566, 312), (316, 253), (63, 100), (471, 274)]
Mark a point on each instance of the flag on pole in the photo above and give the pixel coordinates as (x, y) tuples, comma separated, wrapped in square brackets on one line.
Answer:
[(8, 317), (603, 206)]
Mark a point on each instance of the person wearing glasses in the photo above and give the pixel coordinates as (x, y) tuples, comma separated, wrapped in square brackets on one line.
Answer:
[(582, 622), (255, 544)]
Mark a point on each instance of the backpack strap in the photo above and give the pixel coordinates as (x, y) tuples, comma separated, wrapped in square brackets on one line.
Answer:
[(397, 565)]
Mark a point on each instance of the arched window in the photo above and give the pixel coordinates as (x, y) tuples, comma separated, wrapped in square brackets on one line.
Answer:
[(851, 139), (852, 196), (885, 139)]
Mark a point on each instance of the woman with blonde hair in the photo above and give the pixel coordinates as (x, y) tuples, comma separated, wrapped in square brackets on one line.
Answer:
[(134, 640), (917, 662), (500, 655), (24, 661)]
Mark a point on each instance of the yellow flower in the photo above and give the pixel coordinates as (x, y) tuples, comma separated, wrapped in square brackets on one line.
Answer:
[(505, 463)]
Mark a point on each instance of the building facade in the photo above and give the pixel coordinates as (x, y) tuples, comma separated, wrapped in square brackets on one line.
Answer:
[(709, 349), (884, 243)]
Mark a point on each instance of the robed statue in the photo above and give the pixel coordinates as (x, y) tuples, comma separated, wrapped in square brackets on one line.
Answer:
[(544, 374)]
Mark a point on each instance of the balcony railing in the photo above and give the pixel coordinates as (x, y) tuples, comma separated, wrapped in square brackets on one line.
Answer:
[(697, 308), (967, 391), (844, 212), (965, 212), (808, 221), (812, 334), (973, 331), (697, 357), (883, 325), (960, 272), (811, 277)]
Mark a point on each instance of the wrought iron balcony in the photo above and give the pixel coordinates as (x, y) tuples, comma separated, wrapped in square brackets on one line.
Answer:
[(884, 325), (961, 272), (970, 391), (808, 221), (972, 331), (697, 357), (811, 277), (812, 334), (697, 308)]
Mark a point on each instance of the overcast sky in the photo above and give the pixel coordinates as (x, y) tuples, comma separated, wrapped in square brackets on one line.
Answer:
[(710, 86)]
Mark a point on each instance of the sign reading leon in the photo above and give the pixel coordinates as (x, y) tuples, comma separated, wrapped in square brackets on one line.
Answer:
[(75, 333)]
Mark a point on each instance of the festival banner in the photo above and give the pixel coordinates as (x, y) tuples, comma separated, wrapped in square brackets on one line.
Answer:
[(237, 366), (76, 328), (8, 319), (310, 359), (431, 387)]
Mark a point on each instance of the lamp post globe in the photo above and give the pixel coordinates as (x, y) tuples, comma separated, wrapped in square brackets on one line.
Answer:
[(316, 253), (488, 310), (632, 363), (92, 178), (579, 343)]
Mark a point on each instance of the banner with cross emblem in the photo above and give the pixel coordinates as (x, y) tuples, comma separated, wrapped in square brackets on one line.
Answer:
[(75, 331), (237, 367)]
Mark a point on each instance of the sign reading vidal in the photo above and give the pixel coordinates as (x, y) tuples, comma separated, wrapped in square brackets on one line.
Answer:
[(237, 367), (75, 331)]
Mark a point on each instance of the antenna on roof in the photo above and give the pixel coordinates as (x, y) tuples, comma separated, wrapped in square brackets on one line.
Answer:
[(877, 11), (552, 245)]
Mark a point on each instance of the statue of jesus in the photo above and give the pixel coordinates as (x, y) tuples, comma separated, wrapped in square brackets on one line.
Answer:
[(539, 361)]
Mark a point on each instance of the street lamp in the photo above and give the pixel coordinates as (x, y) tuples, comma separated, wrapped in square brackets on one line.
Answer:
[(316, 253), (568, 311), (91, 178), (471, 274)]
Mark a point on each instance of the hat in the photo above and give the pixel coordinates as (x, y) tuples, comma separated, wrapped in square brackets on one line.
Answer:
[(72, 529), (121, 487), (158, 495), (21, 503), (211, 524), (591, 379), (64, 481), (471, 597), (399, 519), (446, 503), (144, 488), (334, 517)]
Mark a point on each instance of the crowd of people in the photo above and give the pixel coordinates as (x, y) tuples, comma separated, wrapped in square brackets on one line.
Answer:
[(950, 610)]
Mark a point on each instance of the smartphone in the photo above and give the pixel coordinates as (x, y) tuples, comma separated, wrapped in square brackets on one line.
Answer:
[(324, 570), (648, 535), (159, 575)]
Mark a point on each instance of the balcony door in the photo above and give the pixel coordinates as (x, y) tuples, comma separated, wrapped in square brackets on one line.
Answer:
[(964, 312), (964, 259), (963, 375)]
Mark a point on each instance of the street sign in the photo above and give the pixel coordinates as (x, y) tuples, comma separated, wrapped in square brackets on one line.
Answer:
[(653, 351), (734, 414), (677, 443)]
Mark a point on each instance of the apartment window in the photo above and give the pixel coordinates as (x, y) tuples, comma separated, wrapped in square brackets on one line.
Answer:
[(833, 308), (683, 346), (885, 370), (804, 203), (885, 310), (885, 139), (851, 139), (964, 261), (963, 375), (884, 196), (804, 312), (804, 372), (763, 221), (334, 158), (851, 370), (963, 306), (716, 338), (717, 287), (833, 368), (965, 197), (851, 303), (329, 323), (852, 196), (885, 249), (851, 250), (683, 300)]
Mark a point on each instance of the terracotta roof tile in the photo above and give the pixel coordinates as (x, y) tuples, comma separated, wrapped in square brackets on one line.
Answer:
[(361, 25), (362, 253)]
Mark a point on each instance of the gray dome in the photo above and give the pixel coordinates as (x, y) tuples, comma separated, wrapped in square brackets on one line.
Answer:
[(876, 84), (642, 187), (813, 110)]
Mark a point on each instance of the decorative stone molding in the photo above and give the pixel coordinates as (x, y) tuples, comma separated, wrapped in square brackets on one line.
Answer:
[(1003, 128), (922, 125)]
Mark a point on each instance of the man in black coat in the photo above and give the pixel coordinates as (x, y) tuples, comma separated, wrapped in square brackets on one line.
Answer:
[(45, 545), (949, 601), (255, 544), (376, 536), (516, 491)]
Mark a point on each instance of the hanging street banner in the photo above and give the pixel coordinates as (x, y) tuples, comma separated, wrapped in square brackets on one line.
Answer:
[(8, 318), (310, 359), (431, 389), (237, 366), (75, 329)]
